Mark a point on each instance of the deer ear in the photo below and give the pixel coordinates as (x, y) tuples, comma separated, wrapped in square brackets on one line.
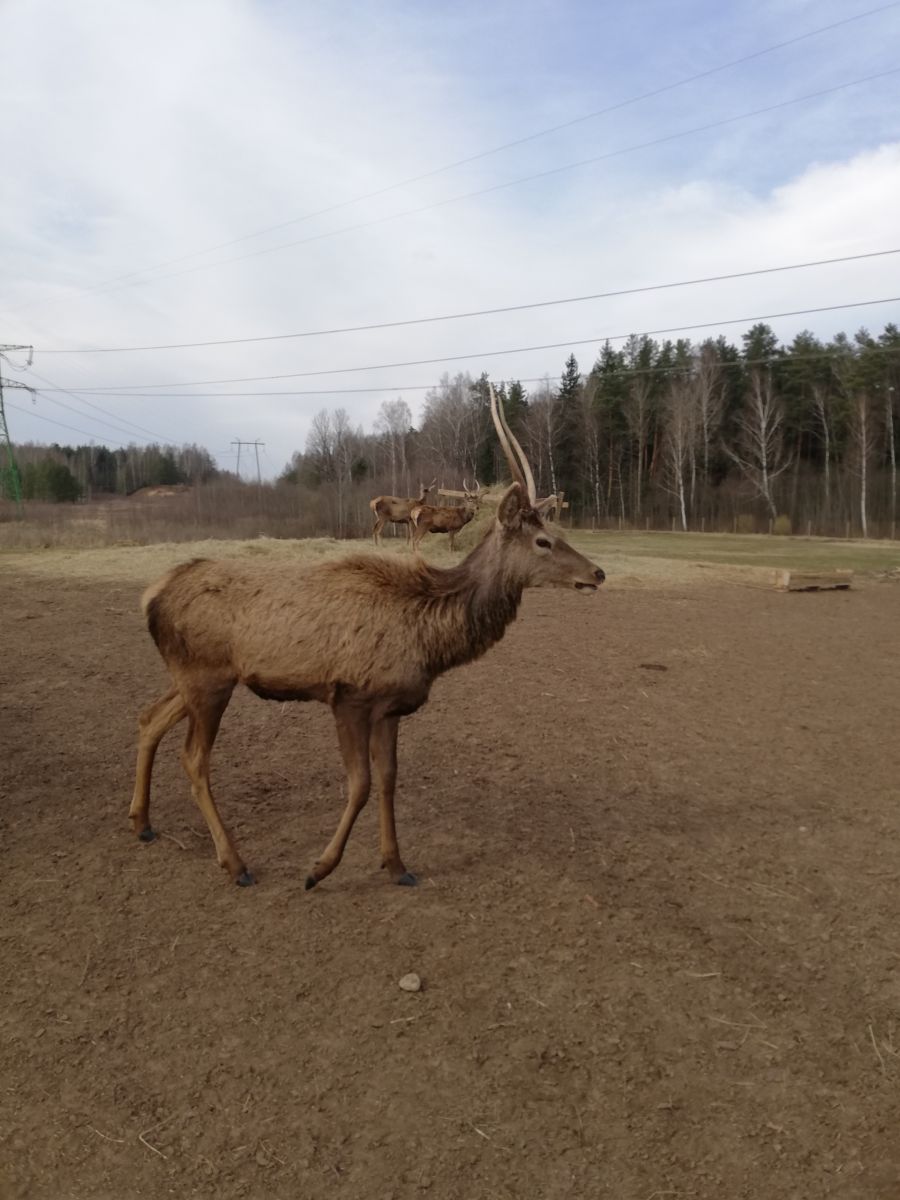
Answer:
[(511, 507)]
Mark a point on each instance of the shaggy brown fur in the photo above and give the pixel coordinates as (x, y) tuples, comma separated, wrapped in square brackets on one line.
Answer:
[(366, 635), (397, 510)]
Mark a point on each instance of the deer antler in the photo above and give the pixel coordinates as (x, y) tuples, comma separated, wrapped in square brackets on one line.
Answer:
[(515, 455)]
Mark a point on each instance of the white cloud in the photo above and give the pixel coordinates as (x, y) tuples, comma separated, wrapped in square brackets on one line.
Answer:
[(149, 130)]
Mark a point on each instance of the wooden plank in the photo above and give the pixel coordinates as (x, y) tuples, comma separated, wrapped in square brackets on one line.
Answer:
[(812, 581), (485, 499)]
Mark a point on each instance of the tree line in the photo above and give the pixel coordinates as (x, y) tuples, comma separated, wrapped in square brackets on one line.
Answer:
[(659, 433), (713, 435), (60, 473)]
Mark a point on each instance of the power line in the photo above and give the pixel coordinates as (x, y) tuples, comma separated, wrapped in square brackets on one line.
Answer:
[(62, 425), (79, 413), (424, 387), (799, 312), (147, 434), (497, 187), (503, 146), (483, 312), (743, 362)]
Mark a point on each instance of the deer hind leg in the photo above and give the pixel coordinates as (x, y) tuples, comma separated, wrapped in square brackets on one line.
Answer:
[(376, 532), (353, 723), (204, 715), (383, 749), (153, 724)]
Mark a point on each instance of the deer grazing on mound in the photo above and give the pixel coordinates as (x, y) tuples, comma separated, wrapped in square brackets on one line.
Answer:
[(430, 518), (366, 634), (397, 510)]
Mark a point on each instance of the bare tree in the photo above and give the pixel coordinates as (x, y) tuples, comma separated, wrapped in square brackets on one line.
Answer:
[(821, 406), (759, 450), (637, 417), (590, 420), (393, 424), (709, 399), (542, 429), (679, 441), (451, 424), (862, 433), (892, 451)]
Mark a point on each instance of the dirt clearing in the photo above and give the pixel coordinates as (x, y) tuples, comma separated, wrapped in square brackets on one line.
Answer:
[(658, 834)]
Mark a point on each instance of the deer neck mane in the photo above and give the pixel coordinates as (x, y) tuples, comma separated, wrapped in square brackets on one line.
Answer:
[(466, 609)]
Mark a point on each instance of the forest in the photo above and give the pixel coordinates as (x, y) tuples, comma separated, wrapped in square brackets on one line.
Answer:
[(655, 434)]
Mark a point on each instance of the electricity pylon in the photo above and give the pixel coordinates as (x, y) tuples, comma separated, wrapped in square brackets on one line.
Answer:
[(10, 481)]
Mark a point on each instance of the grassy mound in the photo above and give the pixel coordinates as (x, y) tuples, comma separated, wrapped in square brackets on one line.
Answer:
[(470, 535)]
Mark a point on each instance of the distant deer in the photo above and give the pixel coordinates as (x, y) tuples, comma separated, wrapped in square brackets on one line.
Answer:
[(366, 634), (397, 509), (429, 518)]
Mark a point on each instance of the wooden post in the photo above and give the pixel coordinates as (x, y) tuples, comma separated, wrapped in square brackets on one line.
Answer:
[(812, 581)]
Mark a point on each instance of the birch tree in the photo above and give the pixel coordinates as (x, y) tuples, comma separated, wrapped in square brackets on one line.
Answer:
[(679, 441), (759, 449)]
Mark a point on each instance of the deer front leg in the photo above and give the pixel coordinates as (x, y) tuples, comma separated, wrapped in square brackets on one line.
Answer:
[(204, 714), (353, 723), (383, 748), (154, 723)]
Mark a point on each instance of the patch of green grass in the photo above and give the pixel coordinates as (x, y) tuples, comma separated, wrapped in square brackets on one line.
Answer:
[(746, 550)]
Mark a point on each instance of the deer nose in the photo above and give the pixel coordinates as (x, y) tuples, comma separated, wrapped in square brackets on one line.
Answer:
[(599, 575)]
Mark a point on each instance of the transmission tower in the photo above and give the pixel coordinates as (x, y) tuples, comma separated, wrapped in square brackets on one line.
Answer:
[(10, 481), (256, 446)]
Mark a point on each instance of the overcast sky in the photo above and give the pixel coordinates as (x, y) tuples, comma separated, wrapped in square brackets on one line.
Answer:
[(137, 137)]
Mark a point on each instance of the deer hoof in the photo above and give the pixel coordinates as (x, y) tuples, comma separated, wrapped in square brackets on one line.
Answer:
[(407, 879), (245, 879), (311, 882), (147, 835)]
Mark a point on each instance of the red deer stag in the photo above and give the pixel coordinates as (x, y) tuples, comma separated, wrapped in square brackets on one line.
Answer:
[(429, 518), (365, 634), (397, 510)]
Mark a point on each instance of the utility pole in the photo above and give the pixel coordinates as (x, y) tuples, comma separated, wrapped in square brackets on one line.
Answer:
[(256, 445), (12, 484)]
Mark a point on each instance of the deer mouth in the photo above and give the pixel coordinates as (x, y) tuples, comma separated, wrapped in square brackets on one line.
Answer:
[(583, 585)]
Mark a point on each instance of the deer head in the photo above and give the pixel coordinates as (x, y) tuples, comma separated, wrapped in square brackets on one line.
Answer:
[(532, 553), (472, 497), (423, 490)]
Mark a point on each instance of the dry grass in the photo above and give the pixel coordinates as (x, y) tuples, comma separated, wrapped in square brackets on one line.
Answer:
[(747, 550), (141, 564), (629, 559)]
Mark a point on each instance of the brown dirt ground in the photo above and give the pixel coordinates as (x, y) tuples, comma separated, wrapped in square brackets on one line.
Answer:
[(657, 926)]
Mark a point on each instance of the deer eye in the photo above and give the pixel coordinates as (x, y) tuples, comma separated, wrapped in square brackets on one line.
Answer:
[(543, 542)]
